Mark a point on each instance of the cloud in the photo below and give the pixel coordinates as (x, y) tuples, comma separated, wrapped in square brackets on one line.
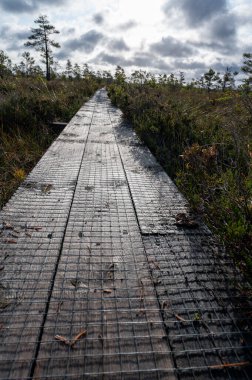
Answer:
[(21, 35), (185, 65), (14, 39), (149, 60), (118, 45), (216, 27), (22, 6), (220, 36), (196, 12), (140, 60), (4, 32), (18, 6), (67, 31), (223, 28), (116, 60), (86, 42), (171, 47), (127, 25), (98, 18), (62, 54)]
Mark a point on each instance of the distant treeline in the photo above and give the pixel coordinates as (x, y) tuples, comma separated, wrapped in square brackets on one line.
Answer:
[(210, 80)]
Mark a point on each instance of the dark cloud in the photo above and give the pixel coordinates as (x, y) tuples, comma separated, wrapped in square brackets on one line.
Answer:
[(22, 35), (67, 31), (143, 60), (118, 45), (21, 6), (111, 59), (170, 47), (223, 28), (63, 54), (14, 39), (146, 60), (149, 60), (184, 65), (98, 18), (18, 6), (86, 42), (127, 25), (196, 11), (220, 36), (4, 32)]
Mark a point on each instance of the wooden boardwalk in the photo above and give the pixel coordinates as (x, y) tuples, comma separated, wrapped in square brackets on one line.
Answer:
[(96, 279)]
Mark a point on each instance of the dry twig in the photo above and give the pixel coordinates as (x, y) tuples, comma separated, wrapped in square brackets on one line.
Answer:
[(78, 336), (180, 318), (63, 340), (229, 365), (72, 342)]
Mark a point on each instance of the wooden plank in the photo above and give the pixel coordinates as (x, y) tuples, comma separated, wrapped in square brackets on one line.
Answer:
[(103, 283), (32, 226)]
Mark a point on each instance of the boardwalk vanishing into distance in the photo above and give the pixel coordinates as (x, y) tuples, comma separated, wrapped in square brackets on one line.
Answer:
[(103, 275)]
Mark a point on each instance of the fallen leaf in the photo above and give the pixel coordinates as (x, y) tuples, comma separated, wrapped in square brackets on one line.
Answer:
[(10, 241), (46, 188), (13, 235), (107, 291), (183, 220), (7, 226), (75, 282), (100, 337)]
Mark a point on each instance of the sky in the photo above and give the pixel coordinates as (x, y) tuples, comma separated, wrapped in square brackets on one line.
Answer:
[(161, 36)]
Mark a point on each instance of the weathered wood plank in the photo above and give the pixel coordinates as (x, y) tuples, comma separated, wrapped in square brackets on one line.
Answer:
[(32, 228), (103, 284)]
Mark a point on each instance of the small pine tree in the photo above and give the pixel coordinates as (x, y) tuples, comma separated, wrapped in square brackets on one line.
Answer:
[(69, 69), (27, 64), (120, 76), (247, 68), (5, 64), (76, 71)]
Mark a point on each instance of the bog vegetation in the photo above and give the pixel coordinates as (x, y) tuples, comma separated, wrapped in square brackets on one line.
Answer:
[(201, 133), (28, 105)]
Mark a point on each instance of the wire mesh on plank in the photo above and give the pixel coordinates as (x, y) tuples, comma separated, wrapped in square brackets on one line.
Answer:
[(102, 287), (208, 321)]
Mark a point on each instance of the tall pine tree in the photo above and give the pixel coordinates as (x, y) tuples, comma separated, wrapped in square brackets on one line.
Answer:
[(41, 40)]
